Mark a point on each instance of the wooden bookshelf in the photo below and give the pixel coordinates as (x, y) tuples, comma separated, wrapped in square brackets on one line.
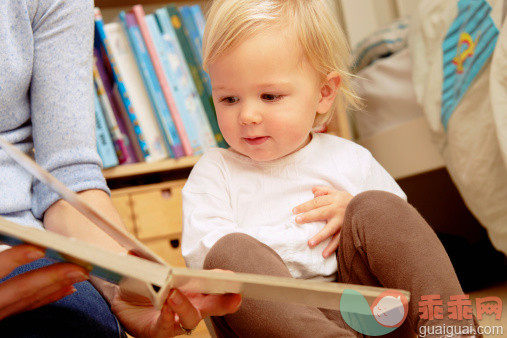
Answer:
[(143, 168), (110, 10)]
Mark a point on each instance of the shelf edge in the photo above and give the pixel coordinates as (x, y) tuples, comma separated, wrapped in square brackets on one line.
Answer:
[(135, 169)]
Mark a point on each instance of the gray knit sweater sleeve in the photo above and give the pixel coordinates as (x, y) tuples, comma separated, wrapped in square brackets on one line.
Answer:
[(48, 50)]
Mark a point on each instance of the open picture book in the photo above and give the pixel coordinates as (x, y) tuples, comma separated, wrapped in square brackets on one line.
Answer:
[(147, 274)]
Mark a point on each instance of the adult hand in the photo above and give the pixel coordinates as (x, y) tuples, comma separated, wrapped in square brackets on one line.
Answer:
[(34, 288), (141, 319), (327, 205)]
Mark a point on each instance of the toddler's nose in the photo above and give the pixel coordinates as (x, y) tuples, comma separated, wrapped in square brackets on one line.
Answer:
[(250, 115)]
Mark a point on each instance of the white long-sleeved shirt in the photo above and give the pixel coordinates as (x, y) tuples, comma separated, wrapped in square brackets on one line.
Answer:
[(227, 192)]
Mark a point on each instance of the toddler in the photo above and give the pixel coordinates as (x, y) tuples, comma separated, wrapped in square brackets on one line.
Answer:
[(284, 200)]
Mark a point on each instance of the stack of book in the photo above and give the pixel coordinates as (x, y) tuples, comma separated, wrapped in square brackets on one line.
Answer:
[(152, 97)]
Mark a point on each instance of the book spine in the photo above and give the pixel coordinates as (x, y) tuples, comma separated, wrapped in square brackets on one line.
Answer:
[(192, 59), (199, 19), (191, 15), (171, 66), (184, 39), (164, 84), (138, 154), (105, 47), (105, 146), (180, 73), (132, 79), (107, 109), (116, 104), (200, 78), (161, 109), (190, 25)]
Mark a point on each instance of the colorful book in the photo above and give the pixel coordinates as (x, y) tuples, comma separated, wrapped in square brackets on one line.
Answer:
[(104, 69), (148, 275), (192, 59), (114, 129), (134, 129), (170, 65), (105, 146), (193, 32), (125, 117), (199, 77), (195, 42), (132, 80), (180, 74), (187, 101), (199, 19), (164, 84), (152, 84)]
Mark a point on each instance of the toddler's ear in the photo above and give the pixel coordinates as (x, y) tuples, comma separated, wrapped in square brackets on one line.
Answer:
[(328, 91)]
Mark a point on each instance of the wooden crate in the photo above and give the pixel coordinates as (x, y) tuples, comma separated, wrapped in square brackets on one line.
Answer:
[(153, 213)]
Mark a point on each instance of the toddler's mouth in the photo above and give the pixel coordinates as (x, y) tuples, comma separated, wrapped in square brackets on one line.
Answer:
[(255, 141)]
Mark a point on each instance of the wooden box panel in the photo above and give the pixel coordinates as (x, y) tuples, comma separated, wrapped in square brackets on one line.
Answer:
[(158, 211), (168, 248), (122, 204)]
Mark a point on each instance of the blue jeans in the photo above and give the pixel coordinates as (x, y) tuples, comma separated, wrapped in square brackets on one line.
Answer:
[(83, 314)]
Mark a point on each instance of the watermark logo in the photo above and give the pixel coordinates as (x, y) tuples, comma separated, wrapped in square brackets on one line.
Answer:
[(386, 314), (459, 307), (389, 311)]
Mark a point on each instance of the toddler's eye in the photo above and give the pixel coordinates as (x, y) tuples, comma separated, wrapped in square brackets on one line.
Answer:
[(270, 97), (229, 99)]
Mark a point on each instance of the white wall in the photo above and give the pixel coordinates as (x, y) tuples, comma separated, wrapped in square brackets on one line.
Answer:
[(406, 7), (363, 17)]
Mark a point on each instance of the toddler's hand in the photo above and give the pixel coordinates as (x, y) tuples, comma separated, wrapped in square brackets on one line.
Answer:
[(327, 205)]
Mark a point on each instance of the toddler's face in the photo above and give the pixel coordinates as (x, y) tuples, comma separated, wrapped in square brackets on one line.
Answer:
[(266, 96)]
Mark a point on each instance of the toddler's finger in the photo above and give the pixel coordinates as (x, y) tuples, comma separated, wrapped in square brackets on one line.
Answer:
[(332, 246), (313, 204), (332, 227), (315, 215), (322, 190), (320, 237)]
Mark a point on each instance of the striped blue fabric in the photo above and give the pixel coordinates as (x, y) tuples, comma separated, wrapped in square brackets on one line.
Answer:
[(467, 47), (379, 44)]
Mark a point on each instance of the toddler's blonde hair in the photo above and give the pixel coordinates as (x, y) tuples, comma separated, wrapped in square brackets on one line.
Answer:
[(229, 22)]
